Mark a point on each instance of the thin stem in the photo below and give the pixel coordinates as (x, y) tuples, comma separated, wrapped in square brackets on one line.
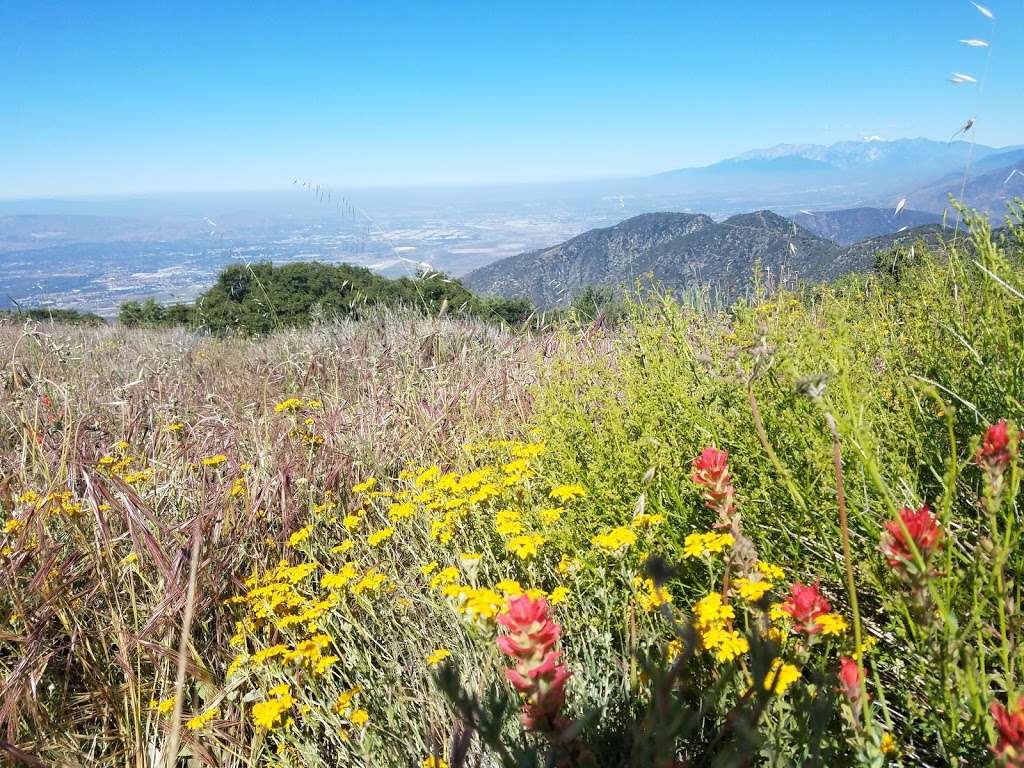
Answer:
[(844, 530)]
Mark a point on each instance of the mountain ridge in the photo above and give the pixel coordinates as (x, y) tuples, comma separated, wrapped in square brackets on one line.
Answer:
[(683, 251)]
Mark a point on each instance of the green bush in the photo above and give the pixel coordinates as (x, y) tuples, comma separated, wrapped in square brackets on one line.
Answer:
[(260, 298)]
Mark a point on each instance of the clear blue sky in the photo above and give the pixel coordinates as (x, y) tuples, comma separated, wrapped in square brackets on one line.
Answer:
[(135, 97)]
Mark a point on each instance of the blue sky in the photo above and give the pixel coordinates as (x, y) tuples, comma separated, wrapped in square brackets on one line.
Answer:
[(118, 98)]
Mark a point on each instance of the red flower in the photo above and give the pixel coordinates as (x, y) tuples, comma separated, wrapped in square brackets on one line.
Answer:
[(849, 678), (1009, 748), (538, 675), (711, 470), (924, 533), (805, 604), (994, 453)]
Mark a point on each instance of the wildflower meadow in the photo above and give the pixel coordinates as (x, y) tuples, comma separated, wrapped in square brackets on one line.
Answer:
[(786, 532)]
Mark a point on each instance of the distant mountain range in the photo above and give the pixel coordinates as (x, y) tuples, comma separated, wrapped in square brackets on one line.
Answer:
[(856, 173), (681, 251)]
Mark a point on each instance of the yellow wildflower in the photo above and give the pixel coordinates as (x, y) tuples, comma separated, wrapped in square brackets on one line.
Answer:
[(214, 461), (525, 546), (379, 537), (429, 568), (751, 591), (769, 571), (267, 714), (399, 511), (445, 576), (345, 699), (567, 565), (649, 596), (558, 595), (290, 405), (644, 520), (510, 587), (300, 536), (551, 515), (428, 475), (200, 721), (728, 645), (163, 707), (359, 718), (262, 656), (564, 493), (780, 676), (366, 486), (832, 624), (711, 610), (888, 745), (508, 522), (697, 544), (616, 539), (340, 579), (371, 581), (343, 547), (433, 762), (324, 663), (438, 656)]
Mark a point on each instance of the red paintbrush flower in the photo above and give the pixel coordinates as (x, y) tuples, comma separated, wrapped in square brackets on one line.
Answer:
[(805, 604), (849, 678), (1009, 748), (994, 452), (923, 530), (539, 674), (711, 472)]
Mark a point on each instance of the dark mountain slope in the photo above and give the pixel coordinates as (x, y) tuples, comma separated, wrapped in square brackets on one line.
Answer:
[(860, 257), (676, 250), (550, 277), (852, 225)]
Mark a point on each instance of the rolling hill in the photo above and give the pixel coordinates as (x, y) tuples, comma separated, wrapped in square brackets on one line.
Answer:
[(678, 250)]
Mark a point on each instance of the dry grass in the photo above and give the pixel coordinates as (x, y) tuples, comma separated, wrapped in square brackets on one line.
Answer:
[(87, 638)]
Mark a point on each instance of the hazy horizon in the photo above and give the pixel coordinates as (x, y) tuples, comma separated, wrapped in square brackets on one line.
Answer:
[(288, 186)]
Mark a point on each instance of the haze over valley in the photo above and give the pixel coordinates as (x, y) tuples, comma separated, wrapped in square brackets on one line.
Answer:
[(93, 253)]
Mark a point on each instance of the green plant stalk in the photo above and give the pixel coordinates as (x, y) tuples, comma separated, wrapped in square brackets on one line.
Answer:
[(844, 530)]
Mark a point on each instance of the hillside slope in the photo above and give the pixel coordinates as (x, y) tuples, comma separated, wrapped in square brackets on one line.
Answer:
[(852, 225), (678, 250), (984, 190)]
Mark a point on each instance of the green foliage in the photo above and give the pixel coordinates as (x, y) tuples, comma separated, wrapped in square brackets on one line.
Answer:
[(66, 316), (259, 298), (597, 302), (152, 314), (912, 370)]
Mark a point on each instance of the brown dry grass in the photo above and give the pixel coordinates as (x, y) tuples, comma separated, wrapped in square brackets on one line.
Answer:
[(86, 640)]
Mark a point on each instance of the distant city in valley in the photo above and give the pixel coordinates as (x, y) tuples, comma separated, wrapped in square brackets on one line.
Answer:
[(95, 254)]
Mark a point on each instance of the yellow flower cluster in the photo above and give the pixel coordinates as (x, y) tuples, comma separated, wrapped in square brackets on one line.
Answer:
[(269, 714), (201, 720), (120, 463), (650, 597), (295, 404), (615, 540), (780, 676), (713, 619), (710, 543)]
